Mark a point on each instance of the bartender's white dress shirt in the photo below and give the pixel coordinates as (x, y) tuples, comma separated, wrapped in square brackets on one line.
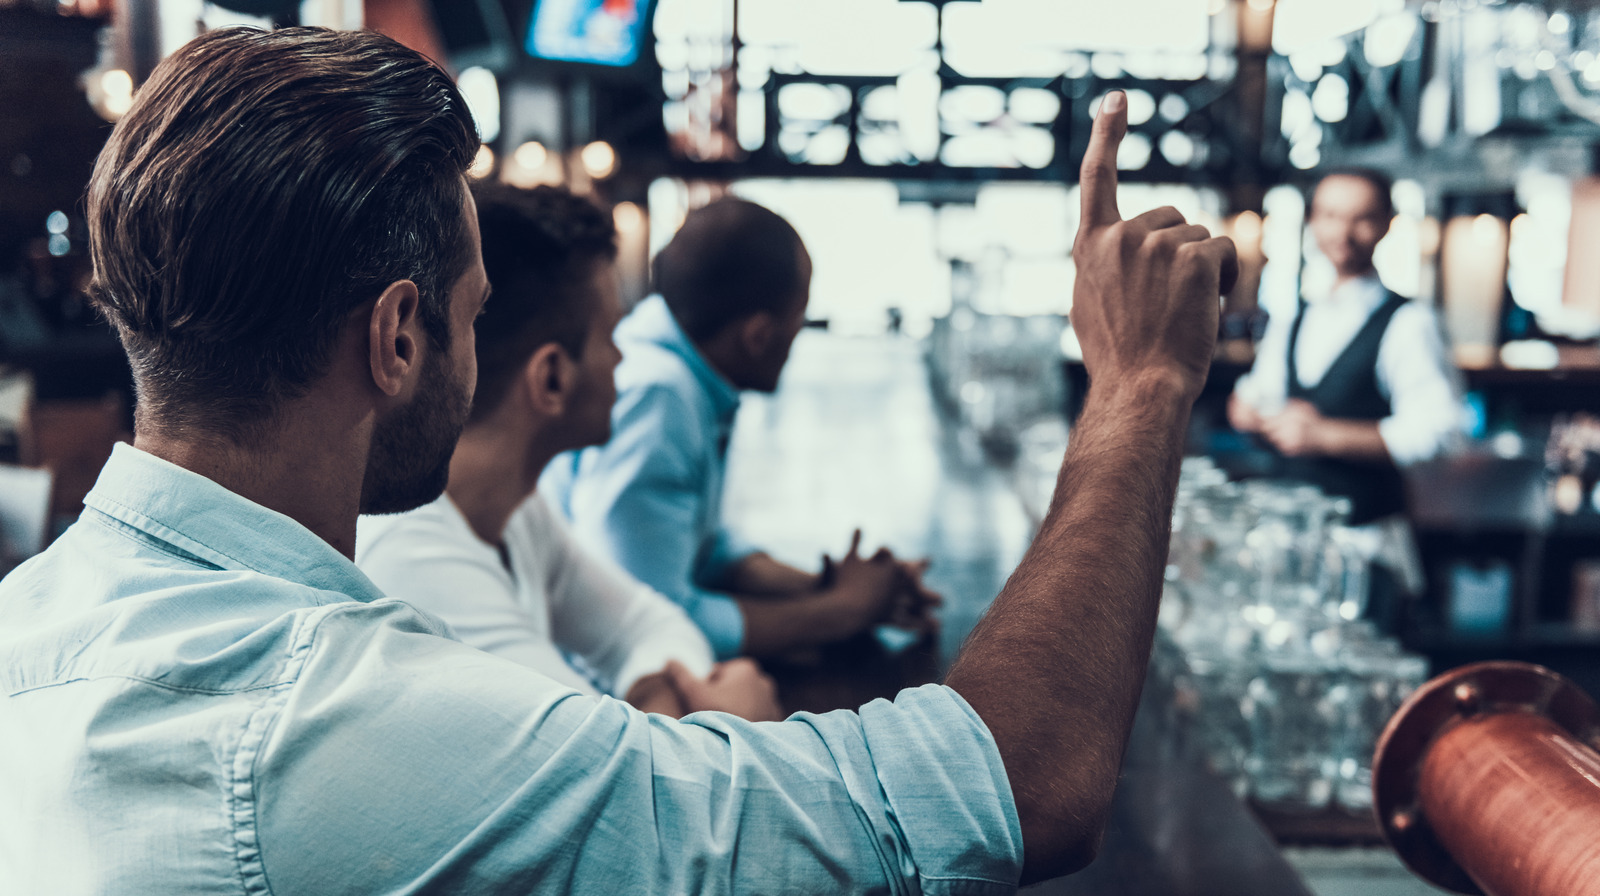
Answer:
[(1414, 372), (555, 599)]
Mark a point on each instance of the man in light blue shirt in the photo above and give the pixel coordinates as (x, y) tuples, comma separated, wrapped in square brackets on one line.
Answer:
[(204, 696), (199, 692), (733, 285)]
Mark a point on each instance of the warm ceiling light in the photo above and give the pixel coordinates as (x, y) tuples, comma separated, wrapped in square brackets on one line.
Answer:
[(628, 217), (1247, 227), (1428, 236), (116, 88), (1486, 228), (599, 159), (530, 155), (482, 163)]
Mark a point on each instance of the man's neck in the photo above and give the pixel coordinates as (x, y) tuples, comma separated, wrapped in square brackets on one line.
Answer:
[(493, 471), (308, 466), (723, 354), (1343, 278)]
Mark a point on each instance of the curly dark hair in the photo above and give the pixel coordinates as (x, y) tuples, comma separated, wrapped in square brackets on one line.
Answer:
[(540, 247), (263, 186)]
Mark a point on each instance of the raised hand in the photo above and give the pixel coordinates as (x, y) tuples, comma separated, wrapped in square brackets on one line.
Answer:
[(1145, 302), (1055, 667)]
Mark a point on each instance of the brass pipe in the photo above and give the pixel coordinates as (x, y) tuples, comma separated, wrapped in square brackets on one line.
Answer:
[(1488, 781)]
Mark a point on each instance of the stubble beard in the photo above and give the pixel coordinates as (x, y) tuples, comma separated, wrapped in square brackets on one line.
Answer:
[(409, 462)]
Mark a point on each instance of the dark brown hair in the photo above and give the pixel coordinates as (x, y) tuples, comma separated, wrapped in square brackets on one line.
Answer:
[(264, 185), (730, 259), (540, 250), (1382, 185)]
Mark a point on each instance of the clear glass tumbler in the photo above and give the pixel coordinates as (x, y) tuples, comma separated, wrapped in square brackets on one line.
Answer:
[(1294, 706), (1379, 679)]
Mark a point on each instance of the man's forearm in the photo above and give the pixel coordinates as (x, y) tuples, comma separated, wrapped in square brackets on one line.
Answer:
[(777, 625), (1352, 440), (759, 574), (1056, 666)]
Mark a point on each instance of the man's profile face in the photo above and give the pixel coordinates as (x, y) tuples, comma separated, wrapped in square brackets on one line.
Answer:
[(409, 462), (1348, 218), (588, 418), (789, 324)]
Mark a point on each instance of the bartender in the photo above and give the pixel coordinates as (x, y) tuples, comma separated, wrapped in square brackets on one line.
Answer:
[(1353, 382)]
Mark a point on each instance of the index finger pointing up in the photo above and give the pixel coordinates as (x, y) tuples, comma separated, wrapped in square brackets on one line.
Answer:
[(1097, 180)]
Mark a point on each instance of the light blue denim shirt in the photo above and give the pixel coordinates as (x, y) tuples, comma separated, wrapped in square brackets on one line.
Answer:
[(198, 695), (651, 497)]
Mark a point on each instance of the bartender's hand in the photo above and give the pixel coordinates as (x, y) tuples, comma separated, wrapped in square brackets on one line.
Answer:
[(738, 687), (1297, 432), (1146, 299), (1302, 431), (1243, 416)]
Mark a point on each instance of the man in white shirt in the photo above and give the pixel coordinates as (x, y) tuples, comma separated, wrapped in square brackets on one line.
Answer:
[(1355, 383), (490, 557)]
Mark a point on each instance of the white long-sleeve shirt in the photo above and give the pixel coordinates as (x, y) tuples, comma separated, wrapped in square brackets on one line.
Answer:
[(554, 599), (1414, 370)]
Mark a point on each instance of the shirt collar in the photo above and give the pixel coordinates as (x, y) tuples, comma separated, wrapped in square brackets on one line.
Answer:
[(201, 518), (1363, 294), (652, 322)]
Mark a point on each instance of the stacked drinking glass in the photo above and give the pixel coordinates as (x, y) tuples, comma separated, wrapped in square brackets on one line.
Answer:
[(1284, 688)]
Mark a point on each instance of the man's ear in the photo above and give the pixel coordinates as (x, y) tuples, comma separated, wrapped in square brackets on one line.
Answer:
[(756, 333), (394, 338), (548, 379)]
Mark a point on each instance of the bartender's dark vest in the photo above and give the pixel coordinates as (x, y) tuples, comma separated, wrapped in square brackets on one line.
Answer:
[(1349, 391)]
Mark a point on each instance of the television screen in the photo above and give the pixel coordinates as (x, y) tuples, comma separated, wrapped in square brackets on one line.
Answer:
[(598, 32)]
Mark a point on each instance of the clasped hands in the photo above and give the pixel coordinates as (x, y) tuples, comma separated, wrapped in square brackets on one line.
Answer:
[(880, 589), (1296, 431)]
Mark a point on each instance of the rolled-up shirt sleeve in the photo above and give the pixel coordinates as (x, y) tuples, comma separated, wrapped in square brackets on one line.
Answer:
[(727, 549), (1423, 386), (1265, 387), (480, 776), (641, 501)]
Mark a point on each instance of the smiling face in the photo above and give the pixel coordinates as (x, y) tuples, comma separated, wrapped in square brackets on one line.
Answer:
[(409, 462), (1349, 216)]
